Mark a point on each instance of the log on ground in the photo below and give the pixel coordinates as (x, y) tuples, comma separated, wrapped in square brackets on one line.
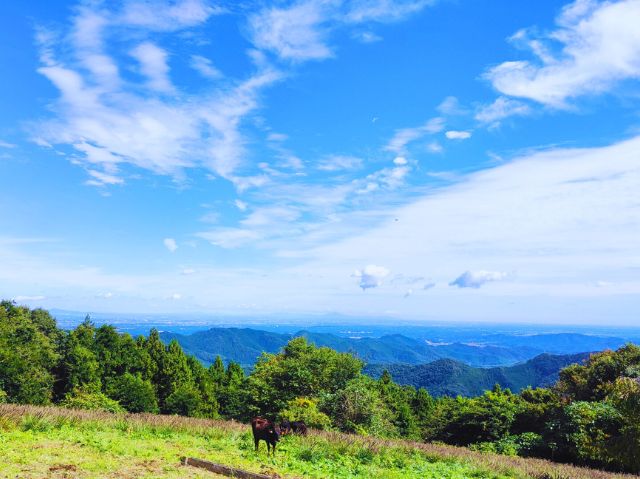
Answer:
[(223, 470)]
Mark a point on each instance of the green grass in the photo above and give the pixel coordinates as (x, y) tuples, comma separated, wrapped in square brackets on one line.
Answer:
[(57, 443)]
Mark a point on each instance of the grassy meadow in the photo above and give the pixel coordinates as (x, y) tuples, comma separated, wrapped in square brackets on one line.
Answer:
[(37, 442)]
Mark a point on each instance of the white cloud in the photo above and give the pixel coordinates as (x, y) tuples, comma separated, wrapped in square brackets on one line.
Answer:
[(170, 244), (112, 123), (301, 31), (293, 33), (457, 135), (600, 47), (404, 136), (475, 279), (205, 67), (165, 15), (188, 271), (4, 144), (450, 106), (400, 161), (500, 109), (371, 276), (339, 163), (153, 64), (241, 205), (359, 11)]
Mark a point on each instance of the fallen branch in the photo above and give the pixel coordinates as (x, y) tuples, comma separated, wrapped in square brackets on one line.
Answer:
[(224, 470)]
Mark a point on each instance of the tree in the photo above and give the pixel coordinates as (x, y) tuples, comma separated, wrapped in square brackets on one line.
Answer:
[(134, 393), (27, 355), (185, 400), (301, 370), (359, 408)]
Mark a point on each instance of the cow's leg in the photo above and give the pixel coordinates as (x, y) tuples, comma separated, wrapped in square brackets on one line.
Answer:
[(257, 443)]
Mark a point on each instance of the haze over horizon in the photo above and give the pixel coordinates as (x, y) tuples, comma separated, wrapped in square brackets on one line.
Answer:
[(417, 159)]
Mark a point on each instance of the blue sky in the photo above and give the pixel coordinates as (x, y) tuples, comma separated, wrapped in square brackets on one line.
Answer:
[(419, 159)]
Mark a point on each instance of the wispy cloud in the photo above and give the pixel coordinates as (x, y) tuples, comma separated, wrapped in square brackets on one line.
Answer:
[(475, 279), (599, 47), (401, 138), (153, 65), (113, 123), (301, 31), (340, 163), (205, 67), (500, 109)]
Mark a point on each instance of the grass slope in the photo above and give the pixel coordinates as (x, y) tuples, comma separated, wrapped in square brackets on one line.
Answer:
[(453, 378), (56, 443)]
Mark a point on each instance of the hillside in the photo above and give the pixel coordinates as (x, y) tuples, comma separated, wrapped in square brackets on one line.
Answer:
[(447, 377), (244, 346), (58, 443)]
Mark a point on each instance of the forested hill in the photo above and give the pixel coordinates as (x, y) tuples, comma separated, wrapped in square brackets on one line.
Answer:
[(244, 346), (447, 377)]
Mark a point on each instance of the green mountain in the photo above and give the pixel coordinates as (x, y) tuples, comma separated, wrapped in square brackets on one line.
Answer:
[(448, 377), (244, 346)]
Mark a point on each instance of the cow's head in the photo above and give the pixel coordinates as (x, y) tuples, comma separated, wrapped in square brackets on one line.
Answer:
[(274, 432)]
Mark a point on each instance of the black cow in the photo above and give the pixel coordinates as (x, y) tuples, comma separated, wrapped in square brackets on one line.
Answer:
[(265, 430), (296, 427)]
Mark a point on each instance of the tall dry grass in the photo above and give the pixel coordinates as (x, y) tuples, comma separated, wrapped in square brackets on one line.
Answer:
[(526, 467)]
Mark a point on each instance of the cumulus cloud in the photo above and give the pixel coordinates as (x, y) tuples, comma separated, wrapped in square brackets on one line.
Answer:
[(400, 161), (599, 47), (371, 276), (475, 279), (170, 244), (457, 135)]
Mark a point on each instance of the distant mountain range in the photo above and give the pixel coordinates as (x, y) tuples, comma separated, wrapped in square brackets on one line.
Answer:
[(447, 377), (244, 345)]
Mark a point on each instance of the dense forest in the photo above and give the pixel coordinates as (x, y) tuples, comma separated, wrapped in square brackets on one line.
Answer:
[(590, 416), (447, 377)]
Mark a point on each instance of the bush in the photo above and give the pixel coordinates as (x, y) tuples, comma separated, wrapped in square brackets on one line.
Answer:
[(305, 409), (90, 399)]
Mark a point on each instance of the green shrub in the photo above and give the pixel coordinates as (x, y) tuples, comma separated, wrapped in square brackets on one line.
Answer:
[(305, 409), (80, 398)]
